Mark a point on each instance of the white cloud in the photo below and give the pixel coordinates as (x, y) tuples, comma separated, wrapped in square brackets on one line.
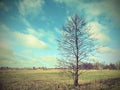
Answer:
[(4, 36), (7, 55), (102, 49), (91, 8), (96, 32), (29, 40), (94, 12), (42, 33), (38, 33), (110, 8), (27, 7), (27, 52), (111, 55), (4, 43)]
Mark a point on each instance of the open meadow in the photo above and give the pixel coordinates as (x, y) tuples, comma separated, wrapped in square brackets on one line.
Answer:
[(58, 80)]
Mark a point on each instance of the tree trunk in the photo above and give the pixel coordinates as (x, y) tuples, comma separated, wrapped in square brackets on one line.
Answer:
[(76, 73), (76, 69), (76, 78)]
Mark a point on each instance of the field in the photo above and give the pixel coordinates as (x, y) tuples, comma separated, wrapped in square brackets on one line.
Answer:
[(58, 80)]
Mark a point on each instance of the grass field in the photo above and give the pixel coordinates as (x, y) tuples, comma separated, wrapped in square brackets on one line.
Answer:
[(58, 80)]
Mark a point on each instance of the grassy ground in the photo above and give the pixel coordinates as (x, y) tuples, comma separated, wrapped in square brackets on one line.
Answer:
[(58, 80)]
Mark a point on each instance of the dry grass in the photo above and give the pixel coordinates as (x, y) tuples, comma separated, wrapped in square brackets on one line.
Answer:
[(54, 80)]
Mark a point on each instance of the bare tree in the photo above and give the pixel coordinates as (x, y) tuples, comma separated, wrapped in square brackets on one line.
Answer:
[(74, 45)]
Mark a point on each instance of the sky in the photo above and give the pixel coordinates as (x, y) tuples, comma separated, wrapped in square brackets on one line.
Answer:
[(29, 30)]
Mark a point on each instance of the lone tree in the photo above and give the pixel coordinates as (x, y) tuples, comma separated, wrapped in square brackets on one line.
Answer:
[(75, 45)]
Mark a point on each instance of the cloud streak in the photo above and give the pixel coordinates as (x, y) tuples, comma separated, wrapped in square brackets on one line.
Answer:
[(29, 41), (96, 32), (26, 40), (109, 50), (27, 7)]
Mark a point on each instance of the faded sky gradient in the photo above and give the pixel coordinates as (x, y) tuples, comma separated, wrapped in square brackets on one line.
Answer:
[(29, 29)]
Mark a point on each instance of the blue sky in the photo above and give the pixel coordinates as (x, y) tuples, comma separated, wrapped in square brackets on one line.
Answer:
[(29, 29)]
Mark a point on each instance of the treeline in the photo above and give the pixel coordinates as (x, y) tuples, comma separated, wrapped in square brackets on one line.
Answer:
[(83, 66), (32, 68), (98, 66)]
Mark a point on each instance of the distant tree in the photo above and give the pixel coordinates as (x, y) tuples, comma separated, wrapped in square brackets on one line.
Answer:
[(106, 67), (118, 65), (7, 67), (34, 68), (44, 68), (86, 66), (99, 65), (112, 66), (74, 45)]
